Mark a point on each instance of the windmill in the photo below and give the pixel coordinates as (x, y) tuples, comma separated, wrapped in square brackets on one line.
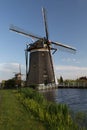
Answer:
[(18, 76), (39, 69)]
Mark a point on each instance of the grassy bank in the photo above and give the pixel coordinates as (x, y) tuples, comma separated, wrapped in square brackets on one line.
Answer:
[(54, 116), (28, 110), (13, 116)]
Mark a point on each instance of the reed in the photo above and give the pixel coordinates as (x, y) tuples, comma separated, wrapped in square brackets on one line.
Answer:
[(54, 116)]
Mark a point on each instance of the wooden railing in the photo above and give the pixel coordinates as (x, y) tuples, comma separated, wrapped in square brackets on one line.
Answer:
[(73, 85)]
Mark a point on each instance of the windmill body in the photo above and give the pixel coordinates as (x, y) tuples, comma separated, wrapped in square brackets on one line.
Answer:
[(18, 76), (40, 65)]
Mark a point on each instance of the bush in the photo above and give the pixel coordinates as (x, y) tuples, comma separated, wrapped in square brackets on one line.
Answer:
[(34, 86)]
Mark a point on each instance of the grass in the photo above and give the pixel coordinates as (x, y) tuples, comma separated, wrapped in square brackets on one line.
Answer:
[(13, 116), (54, 116), (28, 110)]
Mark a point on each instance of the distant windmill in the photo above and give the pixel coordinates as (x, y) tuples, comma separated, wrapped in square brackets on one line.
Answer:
[(40, 69), (18, 76)]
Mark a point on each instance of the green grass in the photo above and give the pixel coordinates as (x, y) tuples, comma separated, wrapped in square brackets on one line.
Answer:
[(27, 109), (13, 115), (54, 116)]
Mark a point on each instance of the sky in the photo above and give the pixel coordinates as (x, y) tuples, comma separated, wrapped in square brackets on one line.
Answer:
[(67, 24)]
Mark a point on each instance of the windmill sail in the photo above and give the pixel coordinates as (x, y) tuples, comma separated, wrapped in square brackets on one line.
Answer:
[(64, 47), (26, 58), (45, 22), (23, 32)]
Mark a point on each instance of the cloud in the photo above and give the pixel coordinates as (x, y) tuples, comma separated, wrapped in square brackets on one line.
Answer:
[(70, 72), (8, 67), (70, 68), (70, 60)]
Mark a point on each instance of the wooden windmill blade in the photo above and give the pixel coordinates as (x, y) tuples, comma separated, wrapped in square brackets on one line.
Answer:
[(23, 32), (45, 23), (20, 68), (59, 45), (64, 47), (26, 59)]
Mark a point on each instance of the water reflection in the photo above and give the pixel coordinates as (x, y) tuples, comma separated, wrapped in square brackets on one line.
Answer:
[(76, 99), (49, 94)]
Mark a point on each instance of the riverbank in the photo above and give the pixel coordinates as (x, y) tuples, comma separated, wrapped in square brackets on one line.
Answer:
[(28, 110), (54, 86), (72, 86), (13, 115)]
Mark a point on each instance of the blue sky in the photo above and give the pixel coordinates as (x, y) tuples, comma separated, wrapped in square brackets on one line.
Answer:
[(67, 24)]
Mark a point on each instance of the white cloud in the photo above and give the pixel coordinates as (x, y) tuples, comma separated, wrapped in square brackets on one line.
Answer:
[(8, 67), (70, 60), (70, 68), (70, 72)]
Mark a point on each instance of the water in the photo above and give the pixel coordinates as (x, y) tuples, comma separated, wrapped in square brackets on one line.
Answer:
[(76, 99)]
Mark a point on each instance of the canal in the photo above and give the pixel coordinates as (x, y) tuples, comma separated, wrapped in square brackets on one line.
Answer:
[(76, 99)]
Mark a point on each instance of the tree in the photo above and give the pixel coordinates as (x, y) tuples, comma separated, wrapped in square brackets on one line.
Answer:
[(61, 80), (10, 83)]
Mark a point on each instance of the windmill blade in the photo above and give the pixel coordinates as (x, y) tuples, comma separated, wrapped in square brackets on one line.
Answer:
[(26, 58), (23, 32), (45, 22), (26, 62), (64, 47), (20, 68)]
